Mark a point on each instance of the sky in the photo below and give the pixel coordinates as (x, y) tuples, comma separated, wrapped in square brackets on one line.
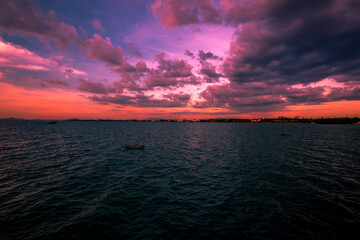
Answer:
[(176, 59)]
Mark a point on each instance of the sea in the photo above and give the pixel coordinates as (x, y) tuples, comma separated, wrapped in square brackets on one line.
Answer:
[(76, 180)]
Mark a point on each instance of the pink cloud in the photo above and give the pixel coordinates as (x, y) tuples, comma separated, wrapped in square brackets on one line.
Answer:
[(18, 63), (15, 55), (158, 80), (173, 68), (102, 49), (97, 25), (129, 81), (209, 71), (141, 67)]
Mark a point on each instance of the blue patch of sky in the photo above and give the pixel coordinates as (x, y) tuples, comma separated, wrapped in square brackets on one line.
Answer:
[(117, 17)]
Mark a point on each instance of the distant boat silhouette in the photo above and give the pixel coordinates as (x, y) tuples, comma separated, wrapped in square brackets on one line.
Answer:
[(285, 134), (51, 122), (134, 147)]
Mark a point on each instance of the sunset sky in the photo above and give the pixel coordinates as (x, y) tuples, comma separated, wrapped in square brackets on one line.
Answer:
[(179, 59)]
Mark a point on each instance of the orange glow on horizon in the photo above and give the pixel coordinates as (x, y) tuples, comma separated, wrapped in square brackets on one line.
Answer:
[(58, 104)]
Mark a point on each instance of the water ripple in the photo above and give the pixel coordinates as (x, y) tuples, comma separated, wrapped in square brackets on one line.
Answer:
[(75, 180)]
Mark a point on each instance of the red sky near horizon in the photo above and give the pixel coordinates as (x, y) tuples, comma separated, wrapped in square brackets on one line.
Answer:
[(179, 59)]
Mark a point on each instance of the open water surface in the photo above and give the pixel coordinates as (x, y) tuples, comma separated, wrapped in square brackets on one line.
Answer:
[(75, 180)]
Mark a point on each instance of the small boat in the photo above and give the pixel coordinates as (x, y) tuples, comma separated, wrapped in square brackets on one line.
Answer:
[(141, 147), (51, 122), (285, 134)]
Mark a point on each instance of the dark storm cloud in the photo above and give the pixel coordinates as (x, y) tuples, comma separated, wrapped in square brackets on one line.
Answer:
[(295, 43), (288, 41), (279, 44), (256, 96)]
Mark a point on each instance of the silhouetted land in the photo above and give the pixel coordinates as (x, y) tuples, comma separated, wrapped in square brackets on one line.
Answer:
[(345, 120), (284, 120)]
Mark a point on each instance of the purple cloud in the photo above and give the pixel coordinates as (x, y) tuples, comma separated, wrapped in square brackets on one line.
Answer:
[(97, 25), (141, 67), (188, 53), (55, 82), (141, 100), (132, 49), (99, 88), (102, 49), (26, 17), (174, 13), (158, 80), (173, 68), (203, 56), (208, 70)]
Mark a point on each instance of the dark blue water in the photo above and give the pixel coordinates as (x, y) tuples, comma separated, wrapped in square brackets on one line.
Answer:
[(75, 180)]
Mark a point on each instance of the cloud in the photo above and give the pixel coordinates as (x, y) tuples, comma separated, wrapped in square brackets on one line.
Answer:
[(208, 70), (52, 81), (141, 67), (170, 101), (257, 96), (73, 71), (99, 88), (102, 49), (158, 80), (132, 49), (276, 46), (173, 13), (181, 97), (129, 81), (319, 39), (97, 25), (209, 55), (24, 17), (141, 100), (169, 73), (117, 99), (58, 61), (279, 40), (188, 53), (18, 57), (173, 68), (22, 67)]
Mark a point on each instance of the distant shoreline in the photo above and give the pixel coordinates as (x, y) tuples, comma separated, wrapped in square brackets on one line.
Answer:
[(280, 120)]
